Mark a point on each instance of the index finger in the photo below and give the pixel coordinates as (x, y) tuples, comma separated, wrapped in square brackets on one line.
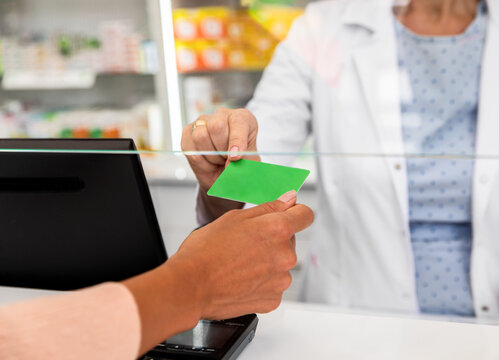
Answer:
[(298, 217)]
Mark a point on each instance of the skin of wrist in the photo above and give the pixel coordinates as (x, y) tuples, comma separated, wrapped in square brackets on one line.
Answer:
[(169, 300), (216, 206), (185, 274)]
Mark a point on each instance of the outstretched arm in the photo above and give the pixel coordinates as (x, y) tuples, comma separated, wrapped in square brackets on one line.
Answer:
[(237, 265)]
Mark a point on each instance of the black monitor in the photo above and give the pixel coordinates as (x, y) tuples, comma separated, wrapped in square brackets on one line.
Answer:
[(70, 220)]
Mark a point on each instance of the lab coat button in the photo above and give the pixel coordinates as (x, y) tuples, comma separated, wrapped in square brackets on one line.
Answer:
[(484, 179), (398, 166), (485, 308)]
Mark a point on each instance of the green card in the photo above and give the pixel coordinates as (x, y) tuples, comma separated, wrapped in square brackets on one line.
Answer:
[(255, 182)]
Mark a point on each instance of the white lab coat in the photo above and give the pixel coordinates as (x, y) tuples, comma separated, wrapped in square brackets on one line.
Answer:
[(336, 76)]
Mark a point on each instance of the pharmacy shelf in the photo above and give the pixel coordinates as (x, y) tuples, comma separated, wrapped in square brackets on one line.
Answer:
[(68, 80), (110, 91), (222, 72), (118, 24)]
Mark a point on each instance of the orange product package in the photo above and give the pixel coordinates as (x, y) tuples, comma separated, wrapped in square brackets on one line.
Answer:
[(81, 133), (213, 22), (187, 56), (185, 24), (111, 133)]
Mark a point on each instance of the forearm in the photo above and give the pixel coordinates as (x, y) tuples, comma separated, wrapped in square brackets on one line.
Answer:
[(169, 299), (109, 320), (100, 322)]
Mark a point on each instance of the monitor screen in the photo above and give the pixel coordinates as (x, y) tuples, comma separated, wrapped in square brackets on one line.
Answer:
[(71, 220)]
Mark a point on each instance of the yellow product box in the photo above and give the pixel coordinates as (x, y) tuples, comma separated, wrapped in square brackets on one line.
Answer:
[(185, 24), (213, 55), (276, 19), (239, 57), (261, 61), (240, 25), (212, 22), (187, 56), (245, 58), (263, 43)]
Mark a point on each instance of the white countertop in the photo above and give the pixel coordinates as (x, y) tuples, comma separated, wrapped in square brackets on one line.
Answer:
[(308, 331)]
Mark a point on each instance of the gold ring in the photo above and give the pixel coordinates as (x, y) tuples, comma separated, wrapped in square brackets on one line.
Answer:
[(198, 123)]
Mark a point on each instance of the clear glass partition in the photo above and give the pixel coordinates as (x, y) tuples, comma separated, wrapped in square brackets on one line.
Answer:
[(400, 143), (408, 196)]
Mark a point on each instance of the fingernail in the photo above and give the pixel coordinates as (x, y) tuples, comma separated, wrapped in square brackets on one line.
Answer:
[(287, 197), (233, 149)]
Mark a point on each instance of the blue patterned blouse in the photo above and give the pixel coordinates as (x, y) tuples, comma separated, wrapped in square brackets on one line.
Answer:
[(439, 116)]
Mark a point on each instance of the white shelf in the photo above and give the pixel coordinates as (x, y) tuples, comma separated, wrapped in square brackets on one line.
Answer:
[(222, 72), (47, 80), (57, 80)]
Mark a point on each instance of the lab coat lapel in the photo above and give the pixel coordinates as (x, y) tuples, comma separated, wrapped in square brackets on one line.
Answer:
[(488, 117), (377, 67)]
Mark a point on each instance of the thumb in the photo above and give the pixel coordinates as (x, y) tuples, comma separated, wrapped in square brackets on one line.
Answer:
[(284, 202)]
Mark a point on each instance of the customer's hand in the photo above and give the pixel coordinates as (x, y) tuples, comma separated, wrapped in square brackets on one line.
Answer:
[(225, 130), (240, 263), (236, 265)]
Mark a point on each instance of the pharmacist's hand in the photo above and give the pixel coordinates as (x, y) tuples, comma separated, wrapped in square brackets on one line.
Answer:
[(241, 261), (225, 130)]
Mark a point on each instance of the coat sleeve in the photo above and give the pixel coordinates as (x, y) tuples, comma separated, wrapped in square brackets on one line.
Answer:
[(100, 322), (282, 100)]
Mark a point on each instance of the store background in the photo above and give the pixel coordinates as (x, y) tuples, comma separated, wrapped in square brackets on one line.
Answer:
[(139, 69)]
